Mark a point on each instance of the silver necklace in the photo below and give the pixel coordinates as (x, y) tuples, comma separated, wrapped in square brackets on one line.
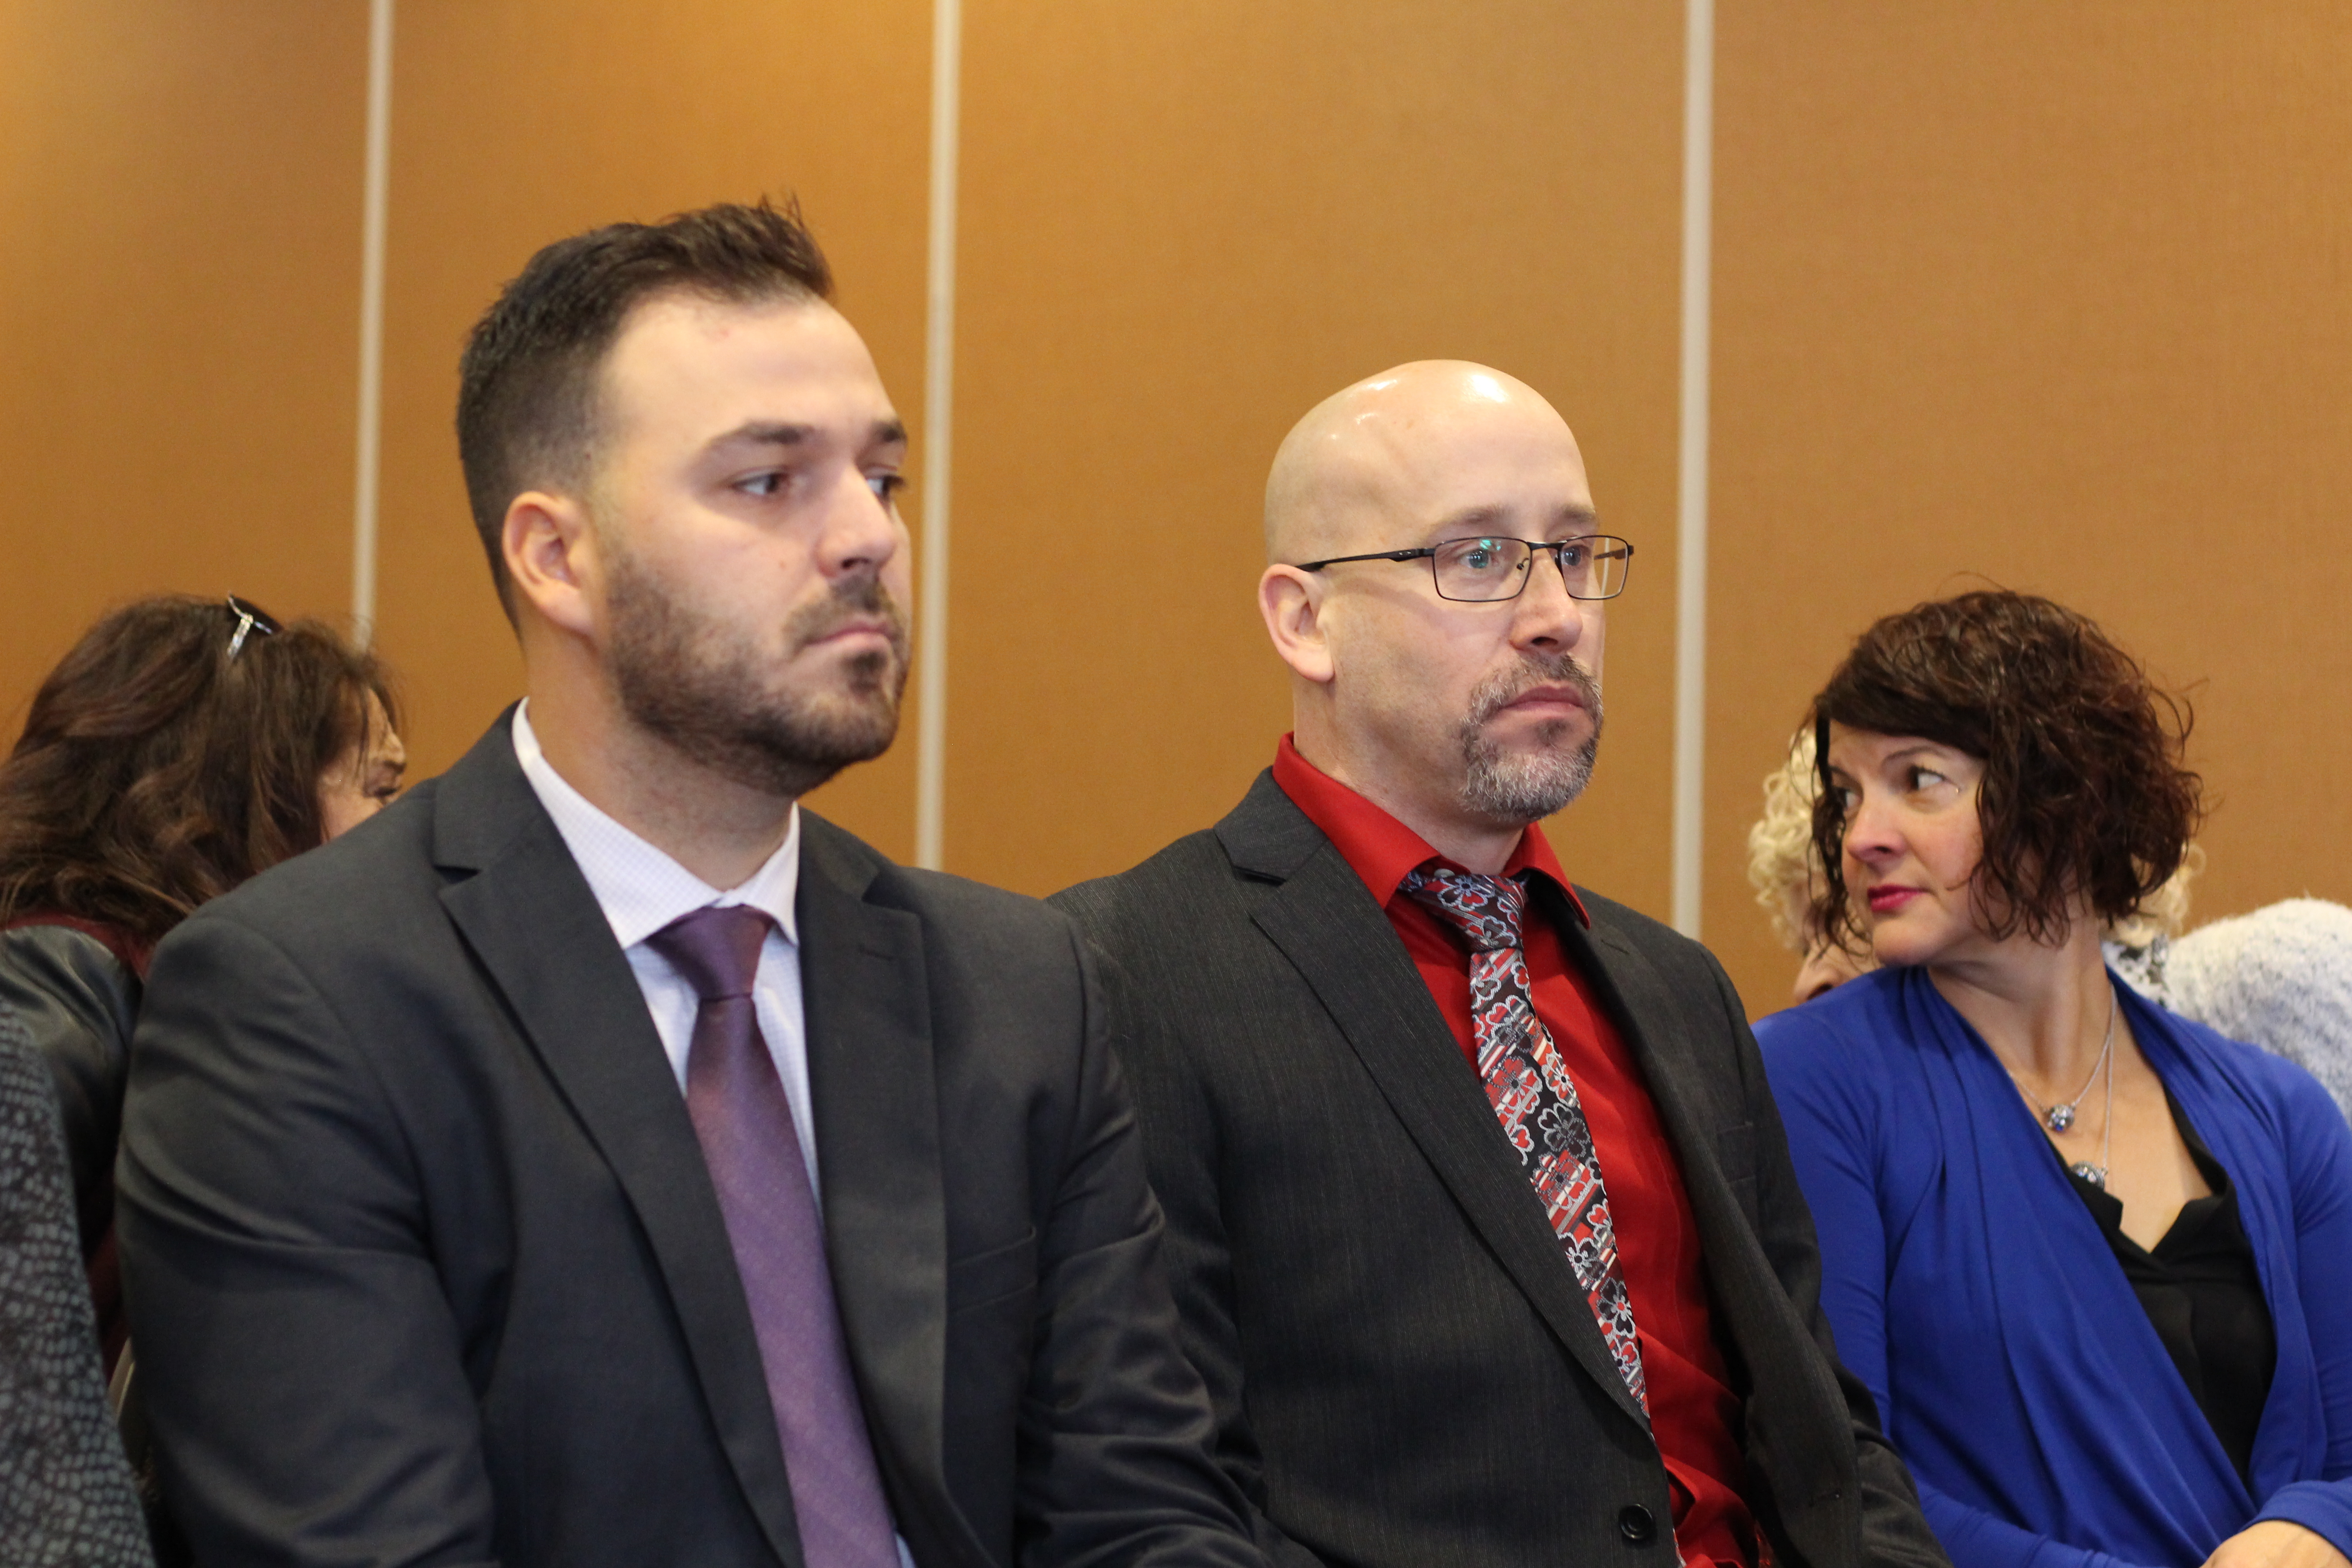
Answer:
[(2060, 1117), (2097, 1175)]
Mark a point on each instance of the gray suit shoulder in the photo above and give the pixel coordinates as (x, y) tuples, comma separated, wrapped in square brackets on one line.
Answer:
[(383, 871), (1153, 897), (1153, 893), (1657, 942), (361, 887), (955, 906), (1651, 934)]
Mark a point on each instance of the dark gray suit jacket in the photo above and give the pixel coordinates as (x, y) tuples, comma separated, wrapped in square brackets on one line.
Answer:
[(1404, 1368), (425, 1266)]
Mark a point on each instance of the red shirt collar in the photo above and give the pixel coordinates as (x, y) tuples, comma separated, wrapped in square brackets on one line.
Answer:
[(1383, 850)]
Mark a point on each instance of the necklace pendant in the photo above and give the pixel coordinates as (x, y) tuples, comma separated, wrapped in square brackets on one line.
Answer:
[(2092, 1174), (2060, 1118)]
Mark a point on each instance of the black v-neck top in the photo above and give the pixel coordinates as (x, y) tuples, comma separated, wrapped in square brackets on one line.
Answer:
[(2199, 1288)]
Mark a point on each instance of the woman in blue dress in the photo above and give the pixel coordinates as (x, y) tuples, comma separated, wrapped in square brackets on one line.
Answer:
[(2094, 1260)]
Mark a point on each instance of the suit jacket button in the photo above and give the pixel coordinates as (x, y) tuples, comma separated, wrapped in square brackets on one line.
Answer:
[(1635, 1523)]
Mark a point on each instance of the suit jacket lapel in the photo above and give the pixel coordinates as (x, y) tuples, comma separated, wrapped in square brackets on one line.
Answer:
[(1327, 923), (1753, 1305), (1635, 996), (864, 994), (528, 915)]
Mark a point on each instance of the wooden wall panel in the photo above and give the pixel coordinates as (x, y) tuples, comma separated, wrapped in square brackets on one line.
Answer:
[(2052, 295), (179, 310), (1183, 225), (517, 122)]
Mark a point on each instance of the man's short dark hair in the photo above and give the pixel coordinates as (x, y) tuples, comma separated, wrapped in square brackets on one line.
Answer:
[(527, 398), (2084, 796)]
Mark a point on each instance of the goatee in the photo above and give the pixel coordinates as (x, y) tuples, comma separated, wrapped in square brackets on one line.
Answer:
[(1527, 786), (698, 683)]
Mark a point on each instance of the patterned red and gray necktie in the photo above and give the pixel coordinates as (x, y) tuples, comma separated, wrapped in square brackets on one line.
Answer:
[(745, 1124), (1533, 1097)]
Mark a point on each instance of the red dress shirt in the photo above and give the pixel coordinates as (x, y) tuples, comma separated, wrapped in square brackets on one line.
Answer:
[(1694, 1416)]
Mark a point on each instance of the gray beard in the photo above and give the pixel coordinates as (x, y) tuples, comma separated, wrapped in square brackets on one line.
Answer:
[(694, 683), (1523, 787)]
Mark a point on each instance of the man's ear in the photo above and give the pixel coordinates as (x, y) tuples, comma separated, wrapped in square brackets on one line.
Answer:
[(550, 550), (1292, 603)]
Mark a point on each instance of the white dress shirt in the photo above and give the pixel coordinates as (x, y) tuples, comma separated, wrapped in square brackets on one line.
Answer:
[(641, 889)]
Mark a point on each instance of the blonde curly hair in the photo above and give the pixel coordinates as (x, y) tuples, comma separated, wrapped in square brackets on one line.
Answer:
[(1783, 866)]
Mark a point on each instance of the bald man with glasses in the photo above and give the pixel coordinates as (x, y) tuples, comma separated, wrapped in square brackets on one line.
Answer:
[(1482, 1225)]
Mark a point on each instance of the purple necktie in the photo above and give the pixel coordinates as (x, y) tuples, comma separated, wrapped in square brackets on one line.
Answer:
[(1534, 1098), (745, 1125)]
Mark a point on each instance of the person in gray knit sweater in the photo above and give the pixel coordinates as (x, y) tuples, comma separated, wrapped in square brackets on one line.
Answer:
[(2280, 978)]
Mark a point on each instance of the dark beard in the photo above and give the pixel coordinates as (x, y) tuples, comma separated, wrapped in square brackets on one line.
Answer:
[(696, 685), (1523, 788)]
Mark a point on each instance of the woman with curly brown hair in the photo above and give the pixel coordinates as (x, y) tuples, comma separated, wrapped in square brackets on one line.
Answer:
[(2092, 1258), (181, 746)]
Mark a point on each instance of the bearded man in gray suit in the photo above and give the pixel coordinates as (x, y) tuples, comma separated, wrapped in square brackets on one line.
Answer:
[(1483, 1228), (598, 1159)]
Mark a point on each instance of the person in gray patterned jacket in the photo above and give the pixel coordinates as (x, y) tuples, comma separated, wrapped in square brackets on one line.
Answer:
[(66, 1495)]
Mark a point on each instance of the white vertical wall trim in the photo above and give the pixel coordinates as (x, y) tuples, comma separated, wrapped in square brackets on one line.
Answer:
[(938, 438), (1690, 595), (372, 246)]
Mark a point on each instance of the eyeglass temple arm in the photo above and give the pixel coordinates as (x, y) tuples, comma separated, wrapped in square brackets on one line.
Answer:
[(1376, 555)]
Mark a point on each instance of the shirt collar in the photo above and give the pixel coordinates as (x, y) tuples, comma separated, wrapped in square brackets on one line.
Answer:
[(639, 887), (1384, 851)]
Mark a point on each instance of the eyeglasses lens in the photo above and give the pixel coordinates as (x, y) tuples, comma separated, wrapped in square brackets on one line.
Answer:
[(1480, 569), (1483, 570)]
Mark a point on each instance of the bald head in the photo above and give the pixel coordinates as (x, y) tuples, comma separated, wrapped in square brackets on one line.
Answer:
[(1466, 715), (1376, 454)]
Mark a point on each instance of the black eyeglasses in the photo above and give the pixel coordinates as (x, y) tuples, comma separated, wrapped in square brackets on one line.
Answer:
[(1482, 571), (251, 618)]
